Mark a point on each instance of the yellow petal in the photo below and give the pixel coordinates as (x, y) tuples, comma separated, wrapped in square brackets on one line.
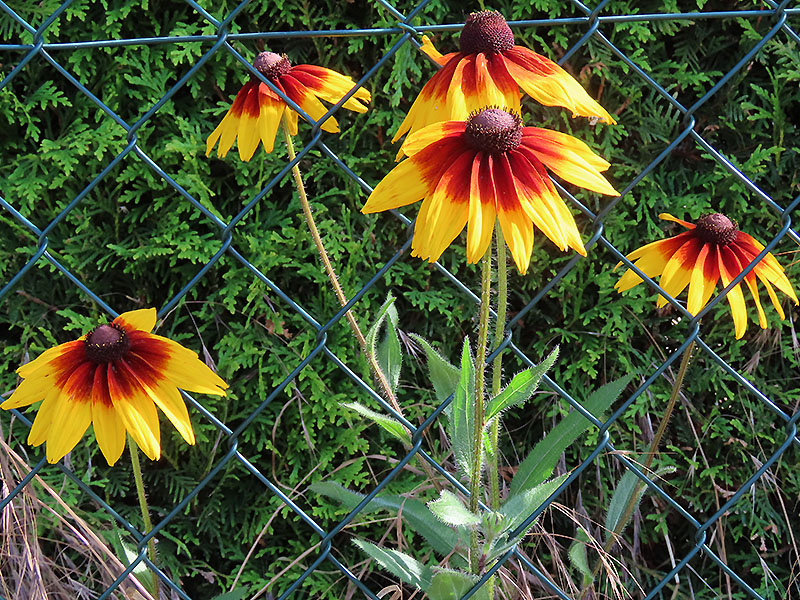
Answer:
[(44, 418), (702, 282), (482, 208), (141, 420), (268, 121), (70, 420), (403, 185), (565, 162), (551, 85), (143, 319), (109, 430), (735, 298), (422, 138), (169, 400)]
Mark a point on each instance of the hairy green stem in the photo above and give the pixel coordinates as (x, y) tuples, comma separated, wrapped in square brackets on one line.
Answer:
[(479, 413), (148, 524), (323, 254), (497, 366)]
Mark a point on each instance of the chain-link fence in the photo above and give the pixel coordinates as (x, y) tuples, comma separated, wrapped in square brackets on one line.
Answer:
[(27, 42)]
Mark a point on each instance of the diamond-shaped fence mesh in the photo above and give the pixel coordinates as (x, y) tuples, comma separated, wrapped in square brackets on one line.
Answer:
[(679, 103)]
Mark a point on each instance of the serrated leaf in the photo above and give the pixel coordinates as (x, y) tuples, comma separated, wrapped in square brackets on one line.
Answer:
[(391, 425), (407, 568), (444, 376), (449, 509), (388, 353), (416, 515), (521, 387), (462, 414), (452, 585), (539, 464), (127, 554), (518, 508)]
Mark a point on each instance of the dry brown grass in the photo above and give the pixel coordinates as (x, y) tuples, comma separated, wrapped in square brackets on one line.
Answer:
[(50, 554)]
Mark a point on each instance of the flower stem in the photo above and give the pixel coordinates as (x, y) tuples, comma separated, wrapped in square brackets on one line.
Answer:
[(478, 414), (497, 366), (148, 524), (312, 227)]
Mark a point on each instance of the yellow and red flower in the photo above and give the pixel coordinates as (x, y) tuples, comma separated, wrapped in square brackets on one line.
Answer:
[(256, 111), (487, 168), (713, 249), (489, 70), (113, 377)]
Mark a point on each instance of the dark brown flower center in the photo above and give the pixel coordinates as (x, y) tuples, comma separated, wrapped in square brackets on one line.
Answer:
[(716, 228), (494, 130), (107, 343), (486, 31), (272, 65)]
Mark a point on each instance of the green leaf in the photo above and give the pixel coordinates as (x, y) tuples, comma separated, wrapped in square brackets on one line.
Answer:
[(388, 353), (406, 567), (578, 558), (451, 585), (393, 426), (628, 484), (463, 408), (449, 509), (127, 553), (444, 376), (521, 387), (539, 464), (518, 508), (416, 515)]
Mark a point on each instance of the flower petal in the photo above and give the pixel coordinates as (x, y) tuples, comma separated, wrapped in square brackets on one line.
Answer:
[(517, 226), (306, 99), (445, 211), (678, 270), (248, 135), (271, 112), (482, 207), (727, 263), (669, 217), (703, 281), (44, 417), (167, 397), (551, 85), (428, 48), (228, 129), (431, 105), (558, 152), (109, 430), (422, 138), (143, 319), (331, 86), (403, 185), (71, 419), (141, 420)]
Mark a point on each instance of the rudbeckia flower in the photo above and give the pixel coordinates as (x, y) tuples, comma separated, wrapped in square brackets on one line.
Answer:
[(712, 250), (489, 70), (113, 377), (256, 111), (486, 168)]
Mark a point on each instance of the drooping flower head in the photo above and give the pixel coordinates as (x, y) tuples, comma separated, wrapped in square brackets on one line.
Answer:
[(486, 168), (489, 70), (256, 111), (113, 377), (713, 249)]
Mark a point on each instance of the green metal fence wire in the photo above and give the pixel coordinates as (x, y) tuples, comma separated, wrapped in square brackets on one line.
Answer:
[(598, 23)]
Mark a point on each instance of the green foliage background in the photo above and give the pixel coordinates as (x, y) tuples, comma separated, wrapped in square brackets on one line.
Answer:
[(136, 242)]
